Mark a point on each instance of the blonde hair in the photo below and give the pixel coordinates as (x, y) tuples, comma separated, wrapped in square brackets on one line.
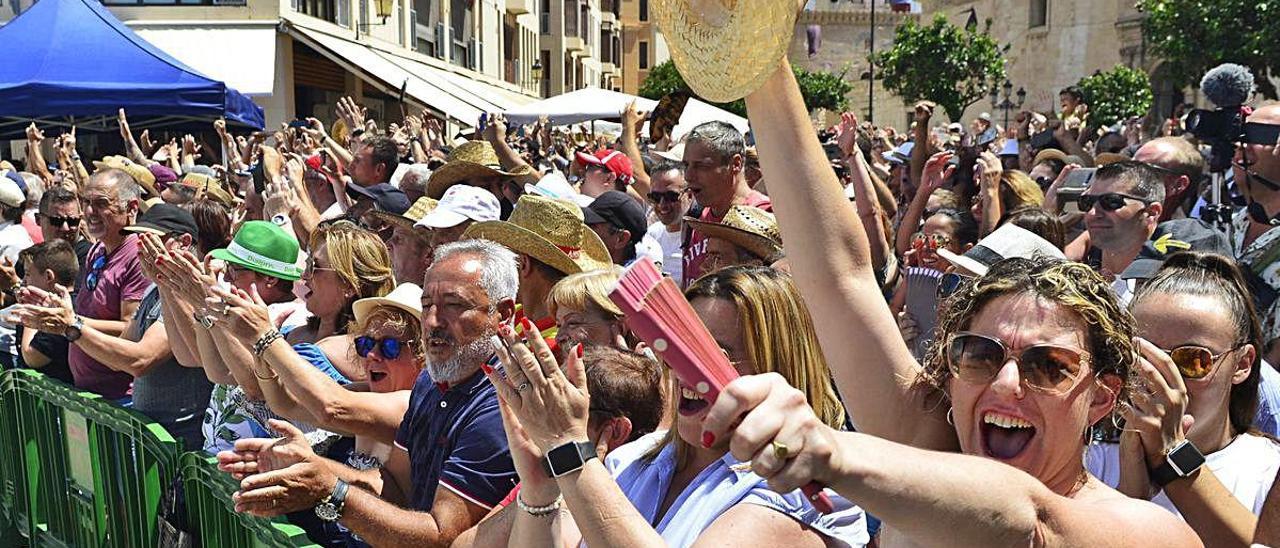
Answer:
[(399, 320), (1017, 189), (584, 291), (358, 257), (779, 336)]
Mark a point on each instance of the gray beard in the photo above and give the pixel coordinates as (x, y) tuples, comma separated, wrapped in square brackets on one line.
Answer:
[(464, 363)]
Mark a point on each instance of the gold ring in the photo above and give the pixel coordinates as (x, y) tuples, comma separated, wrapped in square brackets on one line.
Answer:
[(780, 450)]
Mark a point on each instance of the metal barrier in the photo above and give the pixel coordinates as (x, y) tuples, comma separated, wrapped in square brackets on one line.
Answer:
[(77, 470), (211, 513)]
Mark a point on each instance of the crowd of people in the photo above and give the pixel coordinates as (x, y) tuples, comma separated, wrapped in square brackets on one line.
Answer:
[(974, 336)]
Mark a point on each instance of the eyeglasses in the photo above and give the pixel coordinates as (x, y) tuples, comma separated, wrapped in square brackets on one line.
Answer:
[(312, 268), (389, 347), (1110, 201), (1049, 368), (101, 203), (1196, 362), (933, 241), (668, 196), (70, 222), (95, 272), (949, 283)]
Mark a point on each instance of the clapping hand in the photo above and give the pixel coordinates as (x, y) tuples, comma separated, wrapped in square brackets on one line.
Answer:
[(245, 313), (1156, 418), (278, 476), (54, 316), (552, 405)]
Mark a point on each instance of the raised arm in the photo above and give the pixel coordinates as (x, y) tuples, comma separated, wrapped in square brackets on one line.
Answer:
[(831, 262), (936, 171), (629, 141), (35, 158)]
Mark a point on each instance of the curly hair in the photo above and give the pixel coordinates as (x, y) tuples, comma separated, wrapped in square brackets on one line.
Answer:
[(396, 320), (1071, 285)]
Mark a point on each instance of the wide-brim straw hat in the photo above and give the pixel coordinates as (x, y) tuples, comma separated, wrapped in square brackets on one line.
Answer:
[(140, 174), (406, 296), (726, 50), (415, 213), (750, 228), (549, 230), (470, 160)]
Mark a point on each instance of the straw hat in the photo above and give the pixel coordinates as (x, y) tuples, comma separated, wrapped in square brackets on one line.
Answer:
[(406, 296), (725, 50), (549, 230), (141, 175), (469, 160), (415, 213), (750, 228)]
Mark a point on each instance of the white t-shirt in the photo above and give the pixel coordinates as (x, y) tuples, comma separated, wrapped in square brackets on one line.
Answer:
[(13, 239), (1246, 467), (672, 255)]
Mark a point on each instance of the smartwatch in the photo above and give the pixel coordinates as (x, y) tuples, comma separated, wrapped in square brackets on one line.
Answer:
[(279, 219), (74, 330), (568, 458), (330, 509), (1181, 461)]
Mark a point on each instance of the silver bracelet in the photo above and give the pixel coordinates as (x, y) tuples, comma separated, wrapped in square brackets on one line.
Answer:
[(265, 341), (539, 511)]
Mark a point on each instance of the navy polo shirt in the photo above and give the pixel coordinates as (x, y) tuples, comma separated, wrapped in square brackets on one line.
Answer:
[(454, 438)]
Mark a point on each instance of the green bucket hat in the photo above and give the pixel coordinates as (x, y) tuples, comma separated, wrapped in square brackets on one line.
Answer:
[(264, 248)]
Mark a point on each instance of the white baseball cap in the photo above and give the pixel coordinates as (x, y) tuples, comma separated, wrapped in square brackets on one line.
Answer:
[(459, 204), (11, 193), (554, 185)]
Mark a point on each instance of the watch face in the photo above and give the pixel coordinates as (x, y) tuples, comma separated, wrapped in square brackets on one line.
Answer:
[(1186, 458), (327, 512)]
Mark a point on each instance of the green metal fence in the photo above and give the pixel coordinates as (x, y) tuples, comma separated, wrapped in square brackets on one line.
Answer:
[(77, 470)]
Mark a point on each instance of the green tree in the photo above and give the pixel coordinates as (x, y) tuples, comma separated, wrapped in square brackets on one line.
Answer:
[(1116, 94), (820, 89), (1193, 36), (940, 62)]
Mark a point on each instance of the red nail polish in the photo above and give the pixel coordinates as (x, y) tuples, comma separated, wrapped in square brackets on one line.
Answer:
[(526, 324), (707, 439), (504, 330), (579, 350), (487, 370)]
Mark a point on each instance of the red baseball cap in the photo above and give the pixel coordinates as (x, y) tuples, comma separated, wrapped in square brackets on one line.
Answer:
[(613, 160)]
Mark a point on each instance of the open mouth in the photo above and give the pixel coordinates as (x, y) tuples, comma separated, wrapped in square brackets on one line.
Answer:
[(1004, 437), (377, 376), (691, 403)]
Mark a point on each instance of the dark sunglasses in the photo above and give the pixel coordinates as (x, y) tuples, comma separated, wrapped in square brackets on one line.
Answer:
[(1195, 362), (1110, 201), (668, 196), (71, 222), (95, 272), (949, 283), (1049, 368), (389, 347)]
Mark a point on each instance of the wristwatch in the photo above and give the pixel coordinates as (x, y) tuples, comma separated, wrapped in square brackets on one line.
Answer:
[(205, 320), (1181, 461), (568, 458), (330, 509), (279, 219), (73, 331)]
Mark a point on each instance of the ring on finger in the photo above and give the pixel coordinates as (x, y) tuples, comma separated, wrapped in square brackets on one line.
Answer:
[(780, 450), (522, 387)]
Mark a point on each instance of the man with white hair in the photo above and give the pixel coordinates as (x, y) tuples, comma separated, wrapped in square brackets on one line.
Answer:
[(450, 464), (413, 183)]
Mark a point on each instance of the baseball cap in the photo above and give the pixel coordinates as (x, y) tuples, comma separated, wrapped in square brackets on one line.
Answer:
[(387, 197), (1171, 237), (163, 175), (461, 203), (165, 219), (1006, 242), (13, 190), (554, 185), (613, 160), (619, 210)]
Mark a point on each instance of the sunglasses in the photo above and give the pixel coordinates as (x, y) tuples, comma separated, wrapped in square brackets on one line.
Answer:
[(95, 272), (1196, 362), (1048, 368), (949, 283), (1110, 201), (933, 241), (668, 196), (389, 347), (70, 222)]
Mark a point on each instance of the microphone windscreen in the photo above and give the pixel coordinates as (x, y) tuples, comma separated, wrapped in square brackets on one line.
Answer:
[(1227, 85)]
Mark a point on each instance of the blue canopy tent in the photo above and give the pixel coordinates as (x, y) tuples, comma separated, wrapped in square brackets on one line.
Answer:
[(72, 61)]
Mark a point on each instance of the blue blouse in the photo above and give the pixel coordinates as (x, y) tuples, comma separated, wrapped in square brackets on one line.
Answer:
[(714, 491)]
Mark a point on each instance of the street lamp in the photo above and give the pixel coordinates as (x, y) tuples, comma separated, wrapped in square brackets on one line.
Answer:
[(536, 72), (1006, 104), (382, 10)]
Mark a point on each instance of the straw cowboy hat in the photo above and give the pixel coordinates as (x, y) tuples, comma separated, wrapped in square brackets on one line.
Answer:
[(549, 230), (415, 213), (750, 228), (207, 187), (469, 160), (726, 49), (141, 175)]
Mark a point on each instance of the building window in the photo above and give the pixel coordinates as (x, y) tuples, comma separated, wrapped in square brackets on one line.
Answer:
[(644, 10), (644, 55), (1039, 13)]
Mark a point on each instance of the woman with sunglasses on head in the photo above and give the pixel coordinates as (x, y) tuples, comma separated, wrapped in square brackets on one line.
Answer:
[(677, 488), (1030, 356), (1198, 315)]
